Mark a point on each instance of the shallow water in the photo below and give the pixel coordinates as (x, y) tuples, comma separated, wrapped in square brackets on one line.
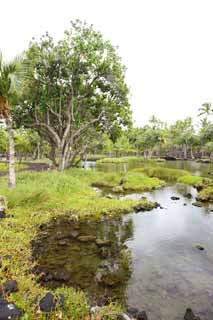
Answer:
[(196, 168), (168, 273)]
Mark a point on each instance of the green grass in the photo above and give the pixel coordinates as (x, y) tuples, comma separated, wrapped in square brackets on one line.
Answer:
[(194, 181), (38, 198), (121, 160), (129, 182), (5, 166), (167, 174), (205, 195)]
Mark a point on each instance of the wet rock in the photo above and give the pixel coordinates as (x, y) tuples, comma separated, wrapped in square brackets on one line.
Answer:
[(10, 286), (49, 301), (197, 204), (175, 198), (189, 315), (123, 316), (9, 310), (88, 238), (199, 247), (102, 243)]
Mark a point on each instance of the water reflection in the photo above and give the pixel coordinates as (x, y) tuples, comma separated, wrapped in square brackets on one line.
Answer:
[(90, 255)]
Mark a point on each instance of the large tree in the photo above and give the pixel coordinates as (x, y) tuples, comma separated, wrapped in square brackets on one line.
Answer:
[(75, 84)]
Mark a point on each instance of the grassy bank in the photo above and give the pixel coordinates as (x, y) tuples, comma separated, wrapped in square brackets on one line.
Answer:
[(129, 182), (194, 181), (38, 198), (122, 160), (205, 195), (167, 174)]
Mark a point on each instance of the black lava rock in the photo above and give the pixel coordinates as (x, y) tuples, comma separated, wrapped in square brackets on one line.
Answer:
[(9, 310), (10, 286), (175, 198), (48, 303)]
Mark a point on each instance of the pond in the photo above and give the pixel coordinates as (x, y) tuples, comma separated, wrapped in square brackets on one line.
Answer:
[(146, 260)]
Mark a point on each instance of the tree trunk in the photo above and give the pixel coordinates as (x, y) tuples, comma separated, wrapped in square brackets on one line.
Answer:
[(185, 151), (12, 176), (192, 155)]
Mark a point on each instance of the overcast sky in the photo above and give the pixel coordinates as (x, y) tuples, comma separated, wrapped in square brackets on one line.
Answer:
[(167, 45)]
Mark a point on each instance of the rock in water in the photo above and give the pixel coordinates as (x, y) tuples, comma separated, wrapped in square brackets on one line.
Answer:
[(87, 238), (199, 247), (9, 310), (189, 315), (175, 198), (102, 242)]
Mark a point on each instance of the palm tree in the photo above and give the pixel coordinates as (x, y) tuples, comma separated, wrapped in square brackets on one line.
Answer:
[(206, 109), (8, 86)]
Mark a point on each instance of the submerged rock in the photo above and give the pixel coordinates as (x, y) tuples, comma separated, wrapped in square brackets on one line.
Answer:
[(102, 243), (88, 238)]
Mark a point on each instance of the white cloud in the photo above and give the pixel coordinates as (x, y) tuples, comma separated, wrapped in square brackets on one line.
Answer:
[(166, 45)]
